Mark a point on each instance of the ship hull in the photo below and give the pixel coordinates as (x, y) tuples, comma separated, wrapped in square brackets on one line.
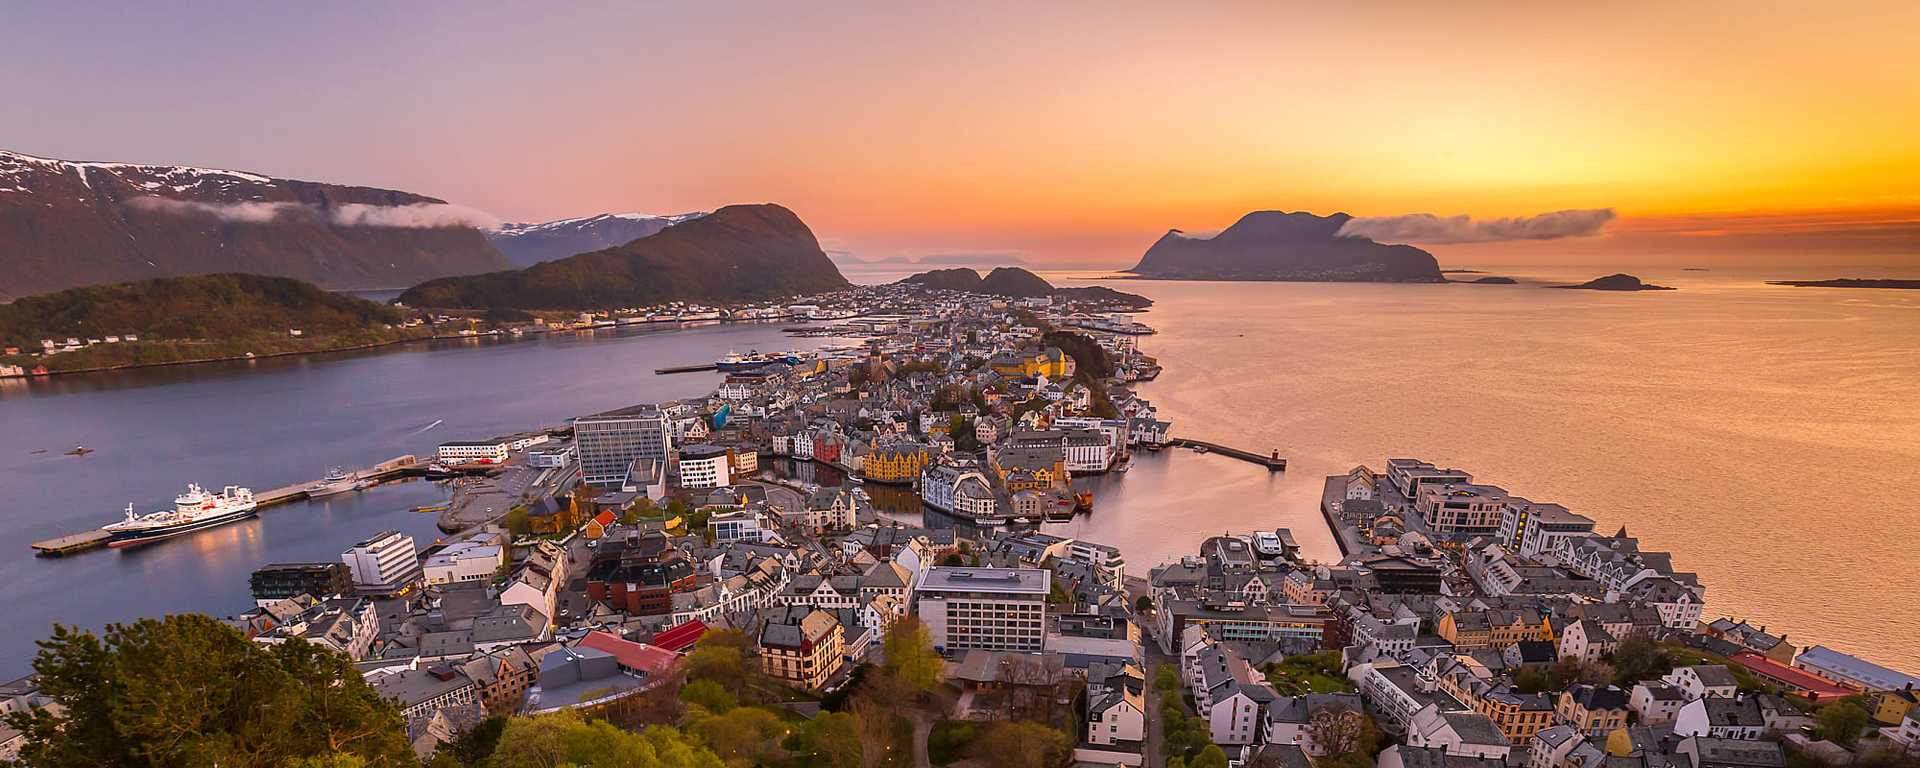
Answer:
[(122, 539)]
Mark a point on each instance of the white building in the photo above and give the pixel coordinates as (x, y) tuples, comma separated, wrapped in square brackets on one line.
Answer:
[(735, 525), (704, 466), (1088, 451), (607, 443), (1705, 680), (996, 609), (464, 561), (461, 451), (1235, 719), (1656, 703), (384, 564)]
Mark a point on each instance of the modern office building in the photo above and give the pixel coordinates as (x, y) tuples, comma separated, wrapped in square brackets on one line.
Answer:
[(704, 466), (607, 443), (995, 609), (386, 564)]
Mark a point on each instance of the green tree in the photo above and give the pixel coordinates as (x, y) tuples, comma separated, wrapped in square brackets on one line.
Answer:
[(710, 694), (719, 664), (1638, 658), (1166, 679), (831, 740), (471, 747), (1022, 744), (1841, 722), (1210, 757), (565, 739), (1143, 604), (952, 559), (187, 690), (517, 522), (744, 736), (910, 658)]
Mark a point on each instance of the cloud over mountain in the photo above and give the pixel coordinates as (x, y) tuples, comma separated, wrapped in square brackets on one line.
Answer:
[(1430, 229)]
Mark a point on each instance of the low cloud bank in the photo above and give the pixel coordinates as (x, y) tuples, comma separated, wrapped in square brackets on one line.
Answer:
[(1430, 229), (416, 216)]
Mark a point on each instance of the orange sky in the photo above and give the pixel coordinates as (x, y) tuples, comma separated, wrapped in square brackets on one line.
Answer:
[(1068, 133)]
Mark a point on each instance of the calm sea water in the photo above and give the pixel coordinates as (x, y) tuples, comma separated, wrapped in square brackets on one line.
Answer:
[(1767, 436), (270, 423)]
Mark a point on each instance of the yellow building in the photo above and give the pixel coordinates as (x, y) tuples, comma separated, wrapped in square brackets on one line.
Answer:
[(1495, 630), (1519, 715), (897, 463), (1890, 707), (1593, 710), (1024, 469), (1049, 362)]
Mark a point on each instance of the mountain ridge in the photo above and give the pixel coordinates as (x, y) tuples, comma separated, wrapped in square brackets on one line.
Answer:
[(736, 253), (73, 223), (526, 244)]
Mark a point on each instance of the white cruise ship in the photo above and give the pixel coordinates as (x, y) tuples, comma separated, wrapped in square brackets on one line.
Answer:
[(192, 511)]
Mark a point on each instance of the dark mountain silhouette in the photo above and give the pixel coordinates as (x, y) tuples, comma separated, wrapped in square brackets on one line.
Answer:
[(737, 253), (1272, 245), (65, 224)]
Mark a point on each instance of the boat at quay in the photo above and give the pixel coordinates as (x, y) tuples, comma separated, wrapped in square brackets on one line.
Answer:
[(195, 510)]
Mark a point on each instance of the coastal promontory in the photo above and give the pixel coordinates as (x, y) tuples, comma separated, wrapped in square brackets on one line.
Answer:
[(1616, 282), (189, 319), (737, 253), (1276, 245)]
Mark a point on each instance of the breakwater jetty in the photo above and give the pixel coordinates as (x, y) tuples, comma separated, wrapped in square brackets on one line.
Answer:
[(1273, 462)]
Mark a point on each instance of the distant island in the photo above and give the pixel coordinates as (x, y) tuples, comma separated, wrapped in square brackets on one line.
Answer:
[(1017, 283), (1616, 282), (1850, 282), (191, 319), (737, 253), (1276, 245), (1489, 280)]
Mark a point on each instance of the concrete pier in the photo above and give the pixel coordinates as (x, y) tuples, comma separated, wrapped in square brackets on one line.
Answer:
[(398, 466), (1273, 462)]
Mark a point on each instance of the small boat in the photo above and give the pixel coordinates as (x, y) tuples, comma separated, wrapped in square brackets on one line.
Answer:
[(1200, 449), (79, 450), (39, 450)]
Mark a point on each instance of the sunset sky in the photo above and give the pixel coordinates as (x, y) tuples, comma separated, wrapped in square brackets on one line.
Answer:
[(1061, 133)]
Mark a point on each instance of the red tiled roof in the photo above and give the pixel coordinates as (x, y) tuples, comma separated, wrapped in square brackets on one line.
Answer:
[(1818, 687), (680, 637), (605, 518), (631, 655)]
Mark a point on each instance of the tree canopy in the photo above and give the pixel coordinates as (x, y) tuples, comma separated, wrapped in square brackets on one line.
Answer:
[(187, 690), (910, 658), (563, 739)]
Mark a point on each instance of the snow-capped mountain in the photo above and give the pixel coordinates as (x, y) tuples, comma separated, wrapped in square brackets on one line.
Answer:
[(527, 244), (65, 224)]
